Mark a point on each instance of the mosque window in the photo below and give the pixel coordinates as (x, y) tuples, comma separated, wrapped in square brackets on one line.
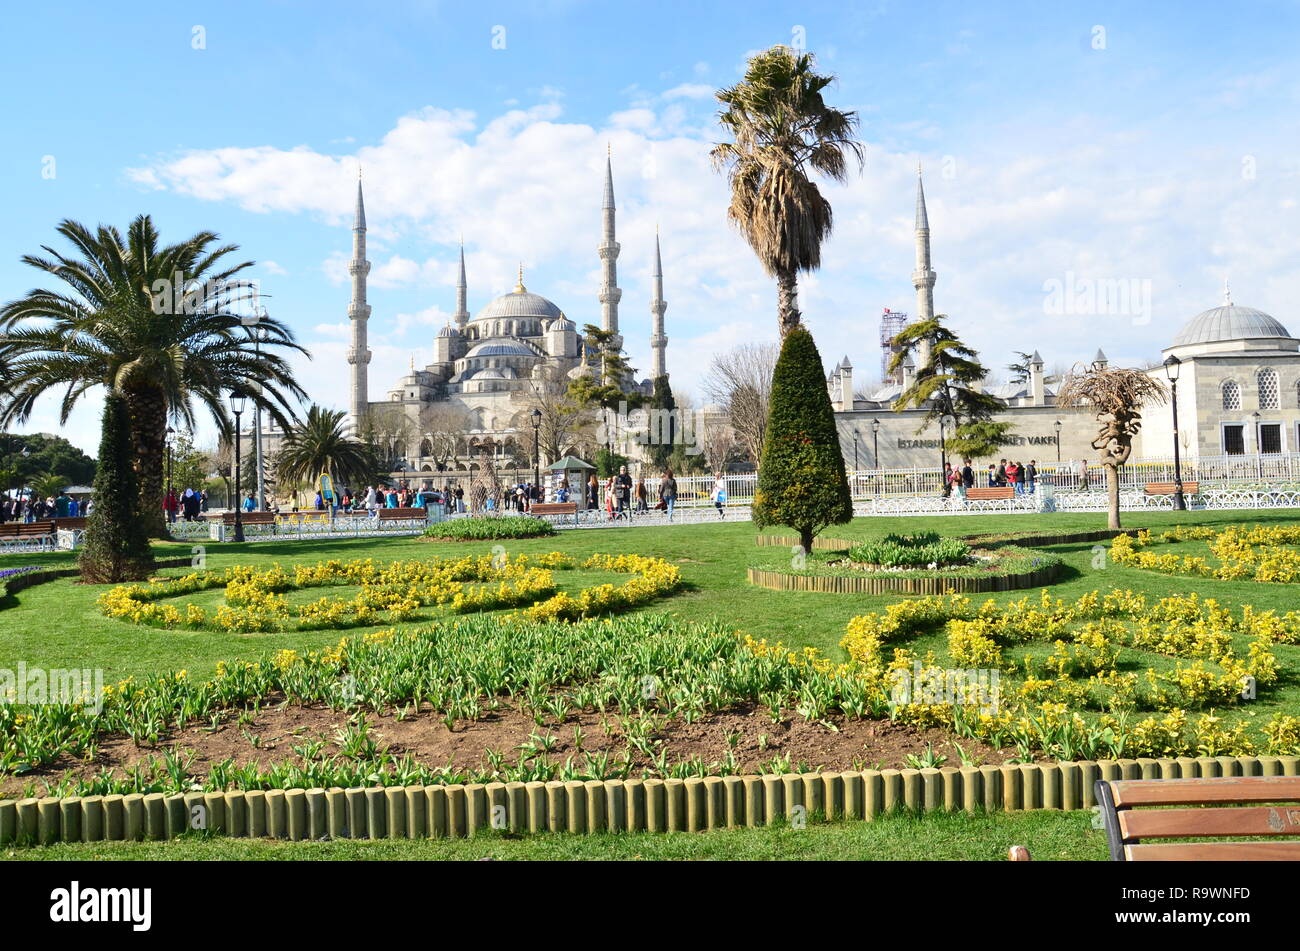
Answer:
[(1268, 389), (1231, 395)]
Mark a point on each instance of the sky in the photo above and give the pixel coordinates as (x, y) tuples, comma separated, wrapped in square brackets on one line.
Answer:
[(1094, 171)]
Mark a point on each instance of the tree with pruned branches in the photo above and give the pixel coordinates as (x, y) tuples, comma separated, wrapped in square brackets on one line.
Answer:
[(1117, 397), (740, 383)]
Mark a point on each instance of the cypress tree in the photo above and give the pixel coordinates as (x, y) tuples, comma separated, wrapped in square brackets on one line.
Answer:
[(665, 432), (117, 541), (801, 479)]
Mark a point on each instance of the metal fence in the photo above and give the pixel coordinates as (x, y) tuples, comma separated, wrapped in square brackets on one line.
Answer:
[(1272, 470)]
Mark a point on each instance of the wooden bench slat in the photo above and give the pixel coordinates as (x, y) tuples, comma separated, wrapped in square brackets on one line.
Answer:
[(554, 508), (1226, 820), (1214, 852), (1179, 792), (1167, 488), (991, 492), (388, 514)]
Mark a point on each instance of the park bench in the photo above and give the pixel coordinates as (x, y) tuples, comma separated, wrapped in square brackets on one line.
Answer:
[(26, 529), (249, 518), (1134, 811), (554, 508), (976, 493), (392, 515), (74, 524), (1167, 488)]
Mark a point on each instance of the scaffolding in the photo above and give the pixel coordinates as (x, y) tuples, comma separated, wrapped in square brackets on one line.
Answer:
[(891, 323)]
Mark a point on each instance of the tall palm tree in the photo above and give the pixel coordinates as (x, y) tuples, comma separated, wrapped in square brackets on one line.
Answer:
[(783, 129), (1117, 396), (153, 323), (321, 443)]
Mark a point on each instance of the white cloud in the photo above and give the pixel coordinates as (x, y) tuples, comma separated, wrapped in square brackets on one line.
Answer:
[(689, 91)]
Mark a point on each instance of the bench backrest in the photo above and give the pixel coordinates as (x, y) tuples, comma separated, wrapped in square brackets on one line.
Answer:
[(402, 513), (991, 492), (1134, 811), (554, 508), (1167, 488), (250, 518), (27, 528)]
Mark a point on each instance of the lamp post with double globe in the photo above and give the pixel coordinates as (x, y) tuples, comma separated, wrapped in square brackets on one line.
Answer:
[(536, 417), (1172, 366)]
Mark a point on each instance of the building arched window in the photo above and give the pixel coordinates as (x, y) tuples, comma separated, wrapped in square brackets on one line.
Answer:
[(1269, 397), (1297, 393), (426, 448), (1231, 395)]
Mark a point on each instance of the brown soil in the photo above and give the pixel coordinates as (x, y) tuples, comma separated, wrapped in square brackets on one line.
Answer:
[(861, 744)]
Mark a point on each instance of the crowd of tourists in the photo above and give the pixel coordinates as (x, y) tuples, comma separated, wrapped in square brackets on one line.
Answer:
[(28, 509)]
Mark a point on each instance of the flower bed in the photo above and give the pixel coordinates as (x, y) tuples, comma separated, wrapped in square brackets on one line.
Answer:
[(1243, 554), (1082, 700), (1002, 569), (489, 528), (255, 599)]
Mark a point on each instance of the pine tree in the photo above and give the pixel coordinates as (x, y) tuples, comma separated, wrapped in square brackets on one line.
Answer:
[(664, 424), (117, 540), (801, 480)]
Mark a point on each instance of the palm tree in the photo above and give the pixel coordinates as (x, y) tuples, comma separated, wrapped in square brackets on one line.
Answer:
[(1117, 396), (152, 323), (321, 444), (783, 129)]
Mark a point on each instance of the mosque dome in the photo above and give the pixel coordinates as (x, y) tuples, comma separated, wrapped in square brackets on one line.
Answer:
[(520, 302), (1229, 322), (500, 347)]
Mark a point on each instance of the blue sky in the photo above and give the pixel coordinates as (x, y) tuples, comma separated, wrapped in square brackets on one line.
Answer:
[(1153, 144)]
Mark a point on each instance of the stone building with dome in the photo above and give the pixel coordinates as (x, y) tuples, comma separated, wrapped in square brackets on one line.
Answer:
[(487, 368), (1238, 394)]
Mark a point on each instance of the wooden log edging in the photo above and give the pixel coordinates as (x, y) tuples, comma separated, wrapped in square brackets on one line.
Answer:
[(789, 541), (845, 584), (592, 806), (30, 580), (1047, 538)]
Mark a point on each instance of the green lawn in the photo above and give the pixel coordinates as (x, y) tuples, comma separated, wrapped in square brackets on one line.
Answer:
[(936, 836), (58, 624)]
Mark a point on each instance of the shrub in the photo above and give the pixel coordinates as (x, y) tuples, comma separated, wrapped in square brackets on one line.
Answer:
[(801, 480), (490, 528), (896, 552)]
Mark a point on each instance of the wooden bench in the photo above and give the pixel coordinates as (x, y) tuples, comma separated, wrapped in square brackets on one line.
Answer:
[(976, 493), (74, 524), (554, 508), (1133, 811), (249, 518), (25, 529), (392, 515), (1167, 488)]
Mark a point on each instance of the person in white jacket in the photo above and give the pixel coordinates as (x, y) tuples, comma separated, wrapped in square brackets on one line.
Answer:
[(719, 495), (372, 505)]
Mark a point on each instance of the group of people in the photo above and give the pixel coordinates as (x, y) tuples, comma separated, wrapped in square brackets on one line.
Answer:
[(622, 498), (1022, 478), (30, 509), (187, 505)]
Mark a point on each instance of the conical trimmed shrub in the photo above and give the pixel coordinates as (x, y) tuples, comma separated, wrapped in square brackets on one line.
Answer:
[(117, 539), (801, 479)]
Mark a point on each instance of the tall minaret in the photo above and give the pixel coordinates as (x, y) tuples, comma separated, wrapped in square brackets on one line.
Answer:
[(462, 290), (923, 276), (609, 291), (657, 307), (359, 314)]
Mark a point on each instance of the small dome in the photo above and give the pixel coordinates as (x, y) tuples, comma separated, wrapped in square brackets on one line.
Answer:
[(562, 323), (1229, 322), (448, 331), (500, 347), (581, 370)]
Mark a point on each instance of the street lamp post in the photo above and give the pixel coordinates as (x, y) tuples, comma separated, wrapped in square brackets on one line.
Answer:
[(1058, 440), (875, 451), (170, 432), (537, 457), (252, 323), (237, 407), (1172, 366)]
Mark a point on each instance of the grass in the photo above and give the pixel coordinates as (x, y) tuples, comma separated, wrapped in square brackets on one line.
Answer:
[(58, 624), (935, 836)]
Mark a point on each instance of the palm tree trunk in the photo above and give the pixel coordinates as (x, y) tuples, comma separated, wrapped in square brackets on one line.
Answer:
[(148, 411), (787, 301), (1112, 492)]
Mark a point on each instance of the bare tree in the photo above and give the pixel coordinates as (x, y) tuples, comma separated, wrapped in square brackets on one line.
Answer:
[(564, 421), (718, 442), (444, 426), (740, 382), (1117, 397)]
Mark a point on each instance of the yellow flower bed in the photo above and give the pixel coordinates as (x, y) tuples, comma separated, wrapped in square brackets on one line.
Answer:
[(1244, 554), (1040, 709), (396, 591)]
